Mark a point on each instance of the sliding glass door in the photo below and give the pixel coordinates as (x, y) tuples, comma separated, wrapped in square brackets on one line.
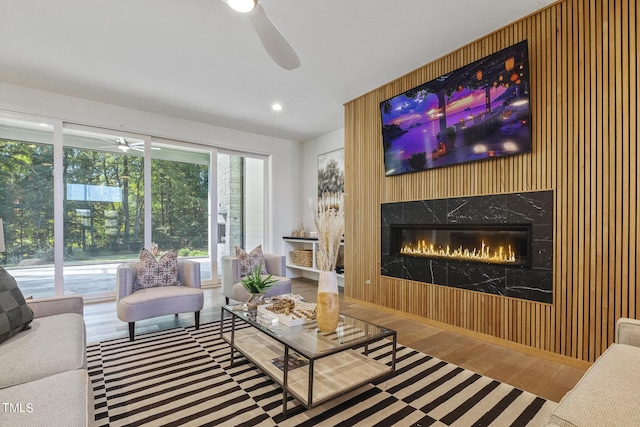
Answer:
[(104, 190), (180, 177), (254, 213), (241, 201), (68, 227), (26, 203)]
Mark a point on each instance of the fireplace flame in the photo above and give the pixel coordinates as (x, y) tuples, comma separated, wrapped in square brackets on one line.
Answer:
[(422, 248)]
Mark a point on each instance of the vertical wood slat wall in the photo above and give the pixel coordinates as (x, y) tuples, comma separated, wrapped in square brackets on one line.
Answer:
[(584, 68)]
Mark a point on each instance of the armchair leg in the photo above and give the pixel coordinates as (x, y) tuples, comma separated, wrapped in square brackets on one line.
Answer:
[(132, 329), (227, 299), (197, 313)]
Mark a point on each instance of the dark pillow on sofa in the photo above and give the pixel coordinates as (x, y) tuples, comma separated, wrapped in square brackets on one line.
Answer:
[(15, 314)]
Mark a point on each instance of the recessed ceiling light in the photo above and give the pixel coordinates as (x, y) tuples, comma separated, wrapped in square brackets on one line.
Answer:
[(276, 107)]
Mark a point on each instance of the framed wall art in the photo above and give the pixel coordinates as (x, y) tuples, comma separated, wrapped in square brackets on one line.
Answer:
[(331, 172)]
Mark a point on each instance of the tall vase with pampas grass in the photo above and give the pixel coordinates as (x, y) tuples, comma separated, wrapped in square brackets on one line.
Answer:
[(329, 220)]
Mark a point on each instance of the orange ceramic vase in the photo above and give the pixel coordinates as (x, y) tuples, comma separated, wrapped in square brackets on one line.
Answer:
[(328, 303)]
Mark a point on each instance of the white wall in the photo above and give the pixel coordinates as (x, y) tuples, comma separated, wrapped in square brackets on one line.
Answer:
[(285, 161), (311, 149)]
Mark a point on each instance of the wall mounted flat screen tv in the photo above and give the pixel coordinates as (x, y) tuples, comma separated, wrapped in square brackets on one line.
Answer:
[(476, 112)]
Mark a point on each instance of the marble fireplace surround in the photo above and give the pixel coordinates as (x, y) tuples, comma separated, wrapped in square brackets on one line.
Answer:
[(534, 283)]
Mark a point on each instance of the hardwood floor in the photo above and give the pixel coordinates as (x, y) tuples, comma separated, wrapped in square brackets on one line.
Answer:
[(545, 378)]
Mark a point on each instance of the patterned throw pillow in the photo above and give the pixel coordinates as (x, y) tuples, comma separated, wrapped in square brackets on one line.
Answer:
[(15, 314), (250, 261), (154, 272)]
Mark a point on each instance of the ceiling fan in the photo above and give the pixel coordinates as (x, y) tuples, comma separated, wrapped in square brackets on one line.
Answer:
[(272, 40), (121, 144), (124, 145)]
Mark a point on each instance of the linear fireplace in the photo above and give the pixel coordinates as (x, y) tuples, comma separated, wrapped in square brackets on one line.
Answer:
[(499, 244), (507, 244)]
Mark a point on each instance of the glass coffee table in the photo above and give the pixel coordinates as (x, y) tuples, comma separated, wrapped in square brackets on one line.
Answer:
[(321, 366)]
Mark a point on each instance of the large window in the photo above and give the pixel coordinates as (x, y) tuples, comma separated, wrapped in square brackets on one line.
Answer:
[(103, 207), (240, 194), (180, 202), (26, 203), (68, 227)]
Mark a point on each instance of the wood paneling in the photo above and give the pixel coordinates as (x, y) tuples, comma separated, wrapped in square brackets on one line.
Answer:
[(584, 97)]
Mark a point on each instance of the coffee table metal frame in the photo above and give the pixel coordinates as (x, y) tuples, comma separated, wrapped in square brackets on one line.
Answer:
[(361, 335)]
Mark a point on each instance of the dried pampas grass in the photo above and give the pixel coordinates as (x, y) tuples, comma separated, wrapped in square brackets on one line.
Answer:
[(329, 220)]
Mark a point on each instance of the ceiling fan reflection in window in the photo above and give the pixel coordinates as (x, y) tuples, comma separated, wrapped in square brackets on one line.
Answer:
[(272, 40), (123, 145)]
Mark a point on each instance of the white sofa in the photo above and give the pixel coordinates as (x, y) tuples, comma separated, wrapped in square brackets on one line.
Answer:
[(43, 370), (609, 392)]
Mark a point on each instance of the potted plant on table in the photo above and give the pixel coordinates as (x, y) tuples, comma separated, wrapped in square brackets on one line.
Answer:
[(256, 284)]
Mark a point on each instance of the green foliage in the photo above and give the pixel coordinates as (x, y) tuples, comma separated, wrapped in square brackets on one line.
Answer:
[(26, 198), (190, 252), (97, 228), (180, 204), (254, 283)]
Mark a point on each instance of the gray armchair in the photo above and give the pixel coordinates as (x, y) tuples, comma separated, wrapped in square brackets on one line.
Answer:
[(159, 301), (232, 287)]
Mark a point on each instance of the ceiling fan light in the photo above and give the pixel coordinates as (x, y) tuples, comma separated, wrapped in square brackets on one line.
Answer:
[(242, 6), (123, 147)]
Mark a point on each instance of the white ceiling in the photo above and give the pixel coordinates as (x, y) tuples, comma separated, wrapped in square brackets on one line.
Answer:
[(199, 60)]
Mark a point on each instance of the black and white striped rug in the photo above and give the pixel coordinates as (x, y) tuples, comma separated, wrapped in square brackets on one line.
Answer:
[(182, 377)]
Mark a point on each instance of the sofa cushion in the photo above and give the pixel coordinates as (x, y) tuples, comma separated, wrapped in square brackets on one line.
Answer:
[(65, 399), (54, 344), (607, 393), (15, 314), (250, 261), (153, 272)]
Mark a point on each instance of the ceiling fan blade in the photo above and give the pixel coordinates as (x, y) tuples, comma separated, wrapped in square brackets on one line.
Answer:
[(274, 43), (106, 140)]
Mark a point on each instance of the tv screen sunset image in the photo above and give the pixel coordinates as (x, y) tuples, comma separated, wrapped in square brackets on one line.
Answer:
[(477, 112)]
